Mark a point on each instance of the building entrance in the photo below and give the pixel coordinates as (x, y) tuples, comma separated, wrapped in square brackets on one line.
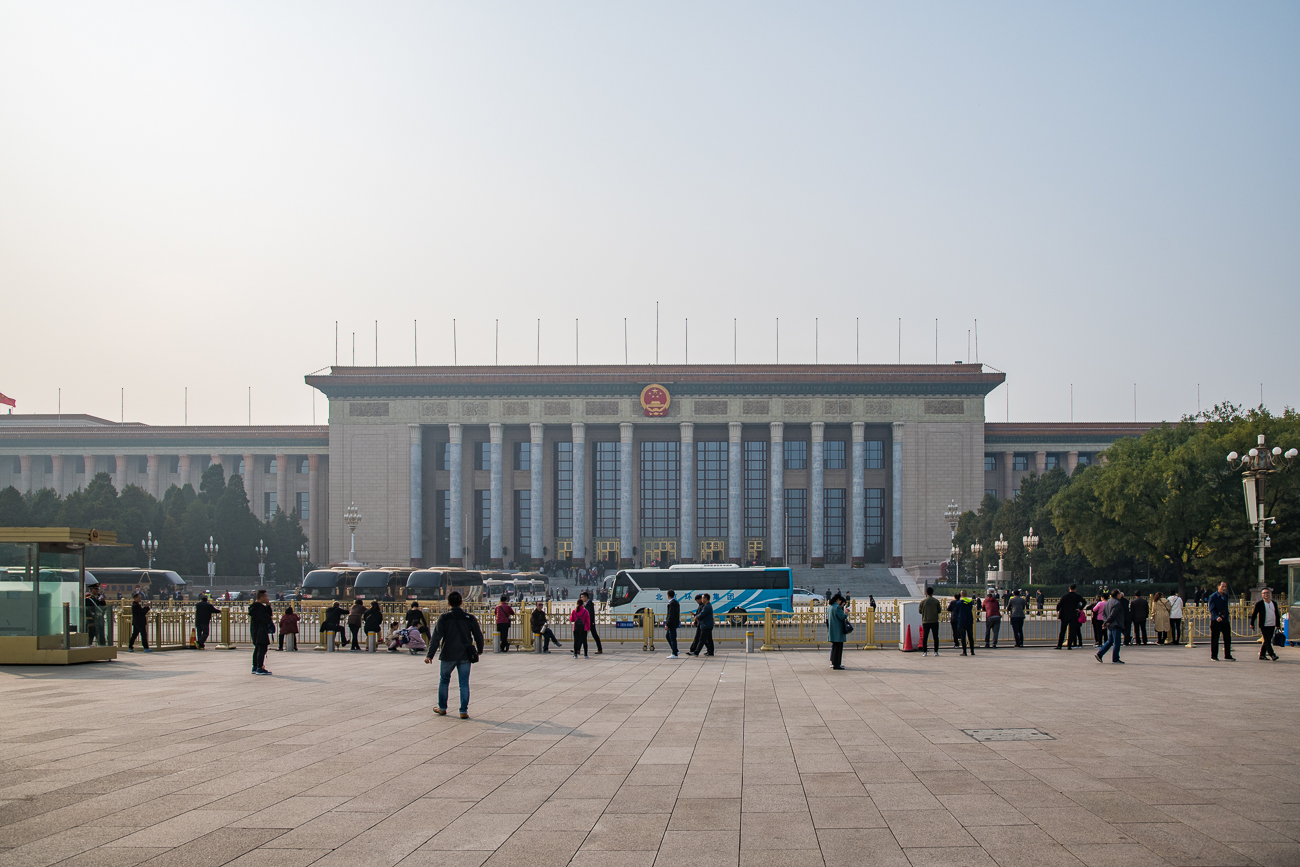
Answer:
[(659, 548), (713, 551)]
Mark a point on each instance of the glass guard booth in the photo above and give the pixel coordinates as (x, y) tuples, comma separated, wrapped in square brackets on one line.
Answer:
[(43, 613)]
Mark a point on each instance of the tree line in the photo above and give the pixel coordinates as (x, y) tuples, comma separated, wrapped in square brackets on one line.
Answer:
[(1165, 505), (181, 522)]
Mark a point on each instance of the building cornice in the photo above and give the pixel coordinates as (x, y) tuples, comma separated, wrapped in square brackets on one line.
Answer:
[(194, 439)]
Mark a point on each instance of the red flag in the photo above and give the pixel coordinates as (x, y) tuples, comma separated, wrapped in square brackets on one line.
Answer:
[(8, 401)]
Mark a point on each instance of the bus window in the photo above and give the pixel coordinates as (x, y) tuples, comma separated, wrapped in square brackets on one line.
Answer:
[(623, 589)]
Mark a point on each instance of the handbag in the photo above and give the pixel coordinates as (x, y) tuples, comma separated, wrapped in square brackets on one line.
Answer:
[(848, 627)]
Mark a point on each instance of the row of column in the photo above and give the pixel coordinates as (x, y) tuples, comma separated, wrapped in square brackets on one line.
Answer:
[(735, 492), (1040, 465)]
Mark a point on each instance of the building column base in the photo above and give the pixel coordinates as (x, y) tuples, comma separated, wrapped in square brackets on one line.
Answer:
[(859, 563), (417, 562), (817, 562), (685, 559), (896, 562), (625, 563), (739, 561)]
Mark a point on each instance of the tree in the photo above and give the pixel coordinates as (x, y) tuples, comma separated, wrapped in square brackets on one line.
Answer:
[(236, 530), (13, 509), (283, 537)]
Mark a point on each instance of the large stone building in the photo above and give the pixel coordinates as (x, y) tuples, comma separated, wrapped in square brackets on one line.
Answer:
[(818, 465)]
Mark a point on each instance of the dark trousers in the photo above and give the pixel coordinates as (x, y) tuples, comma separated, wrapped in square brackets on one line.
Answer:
[(837, 654), (1098, 632), (992, 626), (670, 635), (354, 630), (142, 632), (1018, 630), (579, 641), (596, 636), (202, 633), (548, 638), (966, 636), (1069, 634), (928, 629), (295, 640), (1267, 648), (703, 640), (503, 636), (259, 653), (1224, 629), (1139, 632), (956, 635), (1176, 630)]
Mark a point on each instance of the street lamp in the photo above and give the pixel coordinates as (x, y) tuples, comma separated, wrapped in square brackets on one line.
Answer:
[(303, 554), (260, 550), (1030, 542), (952, 515), (352, 517), (977, 550), (956, 555), (150, 546), (1001, 546), (210, 548), (1256, 466)]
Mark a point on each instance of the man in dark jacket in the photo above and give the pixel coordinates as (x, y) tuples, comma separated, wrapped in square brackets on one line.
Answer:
[(457, 633), (1067, 610), (703, 627), (203, 614), (929, 609), (261, 621), (1220, 623), (591, 610), (1139, 610), (95, 604), (1270, 618), (139, 623), (962, 613), (672, 621), (542, 632), (332, 622), (374, 622)]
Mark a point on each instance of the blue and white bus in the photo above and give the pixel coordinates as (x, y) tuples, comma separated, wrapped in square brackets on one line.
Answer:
[(733, 590)]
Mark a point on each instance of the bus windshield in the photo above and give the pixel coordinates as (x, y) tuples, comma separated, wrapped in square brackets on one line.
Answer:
[(624, 589), (424, 579), (321, 578), (373, 578)]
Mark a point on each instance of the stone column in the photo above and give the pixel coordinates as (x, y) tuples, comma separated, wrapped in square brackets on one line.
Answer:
[(579, 493), (1008, 480), (183, 467), (90, 470), (119, 476), (495, 557), (250, 470), (154, 483), (816, 495), (1040, 462), (417, 495), (56, 467), (896, 556), (536, 431), (1071, 462), (626, 520), (735, 494), (283, 473), (776, 513), (858, 496), (313, 509), (456, 519), (24, 473), (687, 464)]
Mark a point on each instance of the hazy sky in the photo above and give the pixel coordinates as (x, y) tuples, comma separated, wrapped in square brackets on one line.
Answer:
[(191, 194)]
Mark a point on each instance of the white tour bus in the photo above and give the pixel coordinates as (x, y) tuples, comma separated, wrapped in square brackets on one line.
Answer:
[(733, 589)]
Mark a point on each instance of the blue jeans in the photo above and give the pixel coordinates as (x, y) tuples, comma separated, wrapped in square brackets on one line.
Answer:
[(444, 683), (1115, 637)]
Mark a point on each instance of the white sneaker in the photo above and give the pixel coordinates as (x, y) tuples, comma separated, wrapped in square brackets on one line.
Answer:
[(925, 653), (673, 656)]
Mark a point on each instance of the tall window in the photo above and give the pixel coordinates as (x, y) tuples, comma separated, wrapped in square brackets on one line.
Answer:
[(523, 525), (523, 456), (442, 527), (990, 463), (796, 525), (875, 454), (1020, 462), (833, 455), (834, 524), (304, 466), (1085, 460), (272, 466), (796, 454), (661, 491), (875, 550), (483, 456), (1053, 461), (606, 482), (755, 457), (442, 456), (563, 491), (482, 526), (268, 505), (711, 489), (143, 465), (174, 464), (303, 505)]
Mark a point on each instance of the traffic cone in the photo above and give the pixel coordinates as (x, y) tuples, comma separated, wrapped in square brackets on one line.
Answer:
[(907, 640), (194, 639)]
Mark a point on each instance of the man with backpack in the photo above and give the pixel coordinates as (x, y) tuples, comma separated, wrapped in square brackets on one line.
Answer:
[(460, 638)]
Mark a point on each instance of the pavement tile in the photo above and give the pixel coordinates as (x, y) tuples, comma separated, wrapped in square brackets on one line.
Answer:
[(853, 848), (616, 832), (949, 856)]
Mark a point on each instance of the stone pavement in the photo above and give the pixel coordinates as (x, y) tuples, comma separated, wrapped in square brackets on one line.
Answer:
[(632, 760)]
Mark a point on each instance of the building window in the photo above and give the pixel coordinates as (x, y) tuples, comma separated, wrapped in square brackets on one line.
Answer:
[(483, 456), (441, 456), (605, 482), (834, 524), (482, 527), (48, 464), (1020, 462), (272, 466), (18, 467), (174, 464), (990, 463), (711, 489), (796, 454), (268, 505), (991, 492), (442, 525), (875, 514), (304, 466), (303, 505), (240, 471), (1085, 460), (80, 466), (563, 491), (110, 464), (796, 526), (833, 455), (754, 453), (523, 456), (523, 525), (661, 491), (143, 465), (1052, 462), (875, 454)]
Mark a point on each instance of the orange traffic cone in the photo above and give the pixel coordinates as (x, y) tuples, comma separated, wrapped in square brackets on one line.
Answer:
[(907, 640), (194, 638)]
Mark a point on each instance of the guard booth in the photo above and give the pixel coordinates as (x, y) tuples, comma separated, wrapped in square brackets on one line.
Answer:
[(1292, 565), (42, 596)]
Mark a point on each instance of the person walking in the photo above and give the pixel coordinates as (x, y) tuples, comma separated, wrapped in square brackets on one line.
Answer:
[(1114, 629), (929, 609), (261, 623), (992, 618), (1175, 619), (1220, 623), (1017, 606), (542, 632), (581, 621), (374, 622), (672, 622), (704, 626), (95, 605), (1139, 611), (837, 630), (356, 615), (289, 626), (962, 612), (139, 623), (1067, 610), (954, 620), (204, 611), (460, 638), (1160, 617), (1040, 600), (591, 630), (504, 614), (1270, 618)]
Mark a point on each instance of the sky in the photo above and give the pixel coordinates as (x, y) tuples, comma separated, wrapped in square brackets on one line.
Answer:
[(193, 194)]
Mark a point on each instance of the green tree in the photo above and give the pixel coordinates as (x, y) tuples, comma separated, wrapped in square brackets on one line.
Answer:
[(43, 507), (283, 536), (236, 530), (13, 509), (212, 485)]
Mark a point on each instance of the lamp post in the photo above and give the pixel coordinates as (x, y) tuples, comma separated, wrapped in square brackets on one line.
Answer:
[(150, 546), (1001, 546), (211, 548), (260, 551), (956, 555), (1030, 542), (303, 554), (952, 515), (1256, 466), (977, 550), (352, 517)]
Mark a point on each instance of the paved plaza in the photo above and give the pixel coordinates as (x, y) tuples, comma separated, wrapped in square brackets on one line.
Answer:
[(629, 759)]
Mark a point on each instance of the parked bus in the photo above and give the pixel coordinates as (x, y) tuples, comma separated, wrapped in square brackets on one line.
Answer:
[(334, 582), (119, 582), (435, 584), (734, 590), (522, 587), (387, 581)]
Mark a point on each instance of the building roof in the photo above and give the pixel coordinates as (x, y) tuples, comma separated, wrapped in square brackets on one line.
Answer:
[(187, 439), (33, 419), (1099, 433)]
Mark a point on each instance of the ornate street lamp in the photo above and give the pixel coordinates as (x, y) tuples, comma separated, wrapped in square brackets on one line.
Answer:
[(1256, 466), (1030, 542), (1001, 546), (956, 555), (952, 515), (211, 548), (303, 554), (352, 517), (150, 546), (977, 551), (260, 551)]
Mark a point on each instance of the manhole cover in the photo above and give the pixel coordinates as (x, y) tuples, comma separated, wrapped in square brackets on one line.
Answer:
[(1008, 735)]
